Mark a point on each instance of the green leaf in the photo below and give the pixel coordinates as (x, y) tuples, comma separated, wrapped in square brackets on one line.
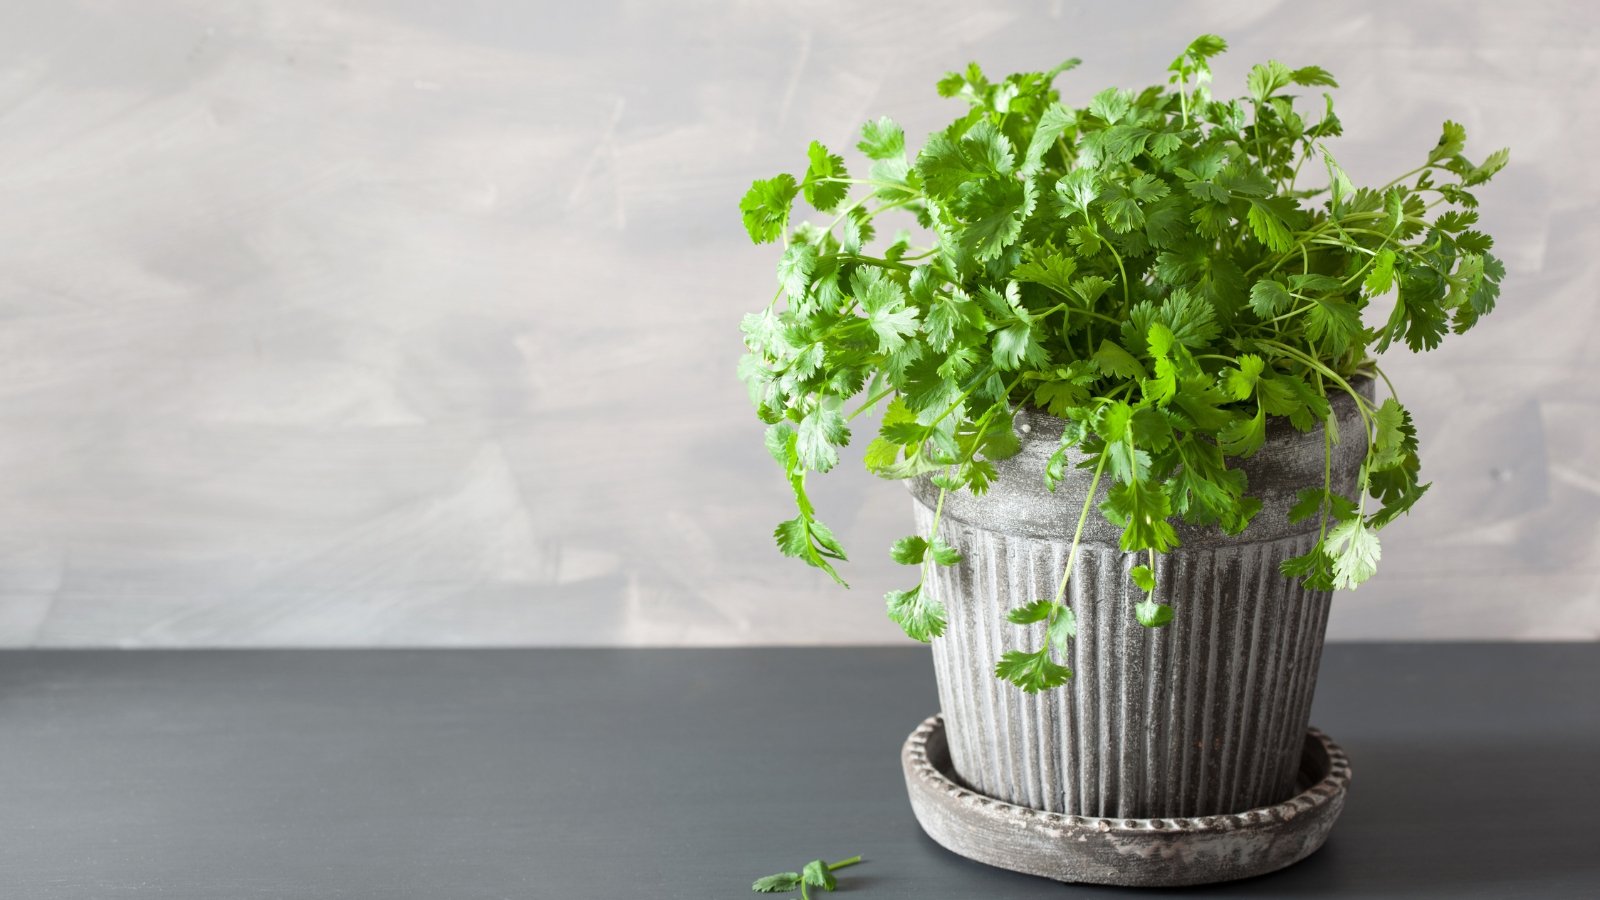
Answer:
[(1451, 142), (1062, 630), (1117, 362), (1052, 125), (858, 230), (909, 551), (780, 440), (810, 541), (1245, 435), (1270, 222), (1111, 105), (795, 269), (766, 207), (885, 304), (1333, 323), (816, 874), (1240, 383), (1314, 567), (1307, 503), (1380, 278), (1037, 611), (1047, 267), (1015, 344), (793, 537), (1267, 78), (1269, 297), (1491, 164), (1033, 672), (821, 431), (948, 165), (1144, 578), (1355, 551), (1151, 614), (992, 213), (944, 554), (883, 139), (820, 192), (918, 615), (1310, 76), (780, 883), (1076, 190), (1141, 509)]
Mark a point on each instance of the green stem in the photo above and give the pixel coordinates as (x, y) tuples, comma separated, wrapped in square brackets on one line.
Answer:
[(1124, 272), (878, 261), (871, 402), (832, 867), (1077, 533), (1327, 472), (982, 376), (1386, 382), (1071, 309)]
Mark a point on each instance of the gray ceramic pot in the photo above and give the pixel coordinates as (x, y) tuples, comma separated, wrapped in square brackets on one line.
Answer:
[(1205, 716)]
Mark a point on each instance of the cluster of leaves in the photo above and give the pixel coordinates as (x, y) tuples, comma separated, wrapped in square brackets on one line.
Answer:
[(1146, 266), (815, 874)]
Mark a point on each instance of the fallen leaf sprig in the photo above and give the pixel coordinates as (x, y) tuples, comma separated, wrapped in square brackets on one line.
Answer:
[(815, 874)]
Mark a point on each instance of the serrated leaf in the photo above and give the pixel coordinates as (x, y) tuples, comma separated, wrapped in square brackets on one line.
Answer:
[(1240, 382), (883, 139), (1245, 435), (795, 268), (1141, 509), (781, 883), (1333, 323), (1062, 630), (1268, 224), (1037, 611), (1144, 578), (1045, 266), (818, 187), (816, 874), (1033, 672), (1267, 78), (1053, 123), (1355, 551), (1116, 362), (1151, 614), (766, 207), (821, 432), (909, 551), (943, 554), (1380, 278), (1451, 141), (918, 615), (1269, 298)]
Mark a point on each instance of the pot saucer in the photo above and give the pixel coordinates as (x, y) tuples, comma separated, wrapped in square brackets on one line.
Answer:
[(1132, 852)]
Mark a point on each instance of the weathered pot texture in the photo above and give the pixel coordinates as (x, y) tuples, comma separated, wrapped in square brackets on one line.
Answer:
[(1204, 716)]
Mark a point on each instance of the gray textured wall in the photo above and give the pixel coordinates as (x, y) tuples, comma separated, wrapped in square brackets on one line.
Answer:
[(416, 322)]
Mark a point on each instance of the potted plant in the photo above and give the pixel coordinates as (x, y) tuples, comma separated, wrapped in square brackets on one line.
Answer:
[(1125, 364)]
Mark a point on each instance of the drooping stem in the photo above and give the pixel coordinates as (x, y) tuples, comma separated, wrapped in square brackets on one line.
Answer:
[(1077, 533)]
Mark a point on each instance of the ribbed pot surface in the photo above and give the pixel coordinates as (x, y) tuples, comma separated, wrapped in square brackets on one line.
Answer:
[(1204, 716)]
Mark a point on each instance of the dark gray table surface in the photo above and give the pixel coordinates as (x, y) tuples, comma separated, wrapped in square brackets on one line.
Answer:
[(685, 773)]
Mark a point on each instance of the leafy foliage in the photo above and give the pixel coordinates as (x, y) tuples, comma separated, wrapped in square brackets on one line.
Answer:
[(1148, 266)]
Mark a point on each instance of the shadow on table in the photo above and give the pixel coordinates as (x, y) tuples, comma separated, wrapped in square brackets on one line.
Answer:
[(1455, 819)]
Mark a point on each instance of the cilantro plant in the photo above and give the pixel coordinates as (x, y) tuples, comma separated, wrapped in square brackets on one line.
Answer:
[(1154, 268)]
